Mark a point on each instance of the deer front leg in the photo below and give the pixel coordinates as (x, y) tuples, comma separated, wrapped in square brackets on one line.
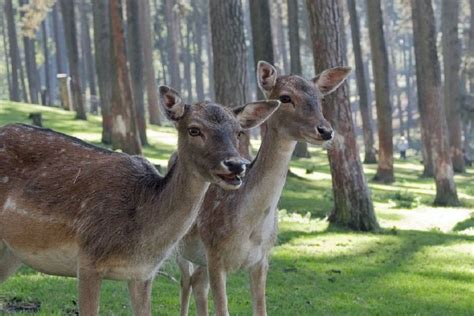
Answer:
[(200, 284), (258, 280), (89, 291), (217, 278), (186, 270), (140, 295)]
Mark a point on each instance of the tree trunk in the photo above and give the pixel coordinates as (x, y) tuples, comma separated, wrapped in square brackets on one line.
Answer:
[(87, 54), (361, 81), (281, 52), (229, 56), (430, 98), (14, 51), (59, 40), (135, 57), (6, 54), (67, 9), (172, 26), (353, 206), (198, 30), (261, 34), (30, 63), (382, 92), (125, 133), (102, 43), (46, 64), (452, 80), (151, 88), (186, 59)]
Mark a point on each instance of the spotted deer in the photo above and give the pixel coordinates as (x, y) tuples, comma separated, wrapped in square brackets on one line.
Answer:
[(237, 229), (69, 208)]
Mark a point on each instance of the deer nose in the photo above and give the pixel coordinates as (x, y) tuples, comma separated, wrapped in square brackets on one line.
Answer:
[(325, 132), (236, 166)]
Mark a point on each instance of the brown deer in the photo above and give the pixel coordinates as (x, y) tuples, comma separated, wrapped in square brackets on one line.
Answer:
[(72, 209), (237, 229)]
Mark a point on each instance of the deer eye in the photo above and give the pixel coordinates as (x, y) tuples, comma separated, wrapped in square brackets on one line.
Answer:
[(194, 131), (285, 99)]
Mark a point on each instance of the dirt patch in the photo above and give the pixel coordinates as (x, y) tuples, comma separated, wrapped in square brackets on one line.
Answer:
[(15, 304)]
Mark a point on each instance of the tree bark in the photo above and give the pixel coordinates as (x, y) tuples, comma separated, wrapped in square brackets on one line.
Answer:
[(6, 54), (198, 48), (67, 9), (124, 127), (361, 81), (14, 51), (102, 43), (230, 57), (430, 98), (353, 206), (172, 26), (46, 64), (135, 57), (382, 92), (59, 41), (452, 80), (151, 87)]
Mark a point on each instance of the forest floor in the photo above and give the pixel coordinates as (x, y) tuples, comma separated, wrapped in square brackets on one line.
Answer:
[(422, 263)]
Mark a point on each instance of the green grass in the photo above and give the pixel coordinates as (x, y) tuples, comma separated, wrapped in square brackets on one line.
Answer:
[(421, 264)]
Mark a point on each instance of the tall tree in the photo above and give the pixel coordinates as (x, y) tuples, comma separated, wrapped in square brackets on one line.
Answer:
[(353, 206), (14, 51), (229, 56), (6, 54), (30, 63), (172, 38), (124, 127), (102, 43), (67, 9), (261, 34), (301, 149), (151, 87), (46, 65), (361, 81), (382, 92), (59, 40), (88, 57), (430, 98), (452, 80), (198, 48), (135, 57)]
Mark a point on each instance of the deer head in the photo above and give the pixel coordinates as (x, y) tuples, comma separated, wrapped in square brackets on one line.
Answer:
[(300, 115), (208, 135)]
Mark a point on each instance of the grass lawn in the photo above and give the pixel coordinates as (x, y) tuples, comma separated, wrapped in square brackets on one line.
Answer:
[(422, 263)]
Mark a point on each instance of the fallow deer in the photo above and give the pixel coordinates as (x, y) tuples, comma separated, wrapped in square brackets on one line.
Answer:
[(72, 209), (237, 229)]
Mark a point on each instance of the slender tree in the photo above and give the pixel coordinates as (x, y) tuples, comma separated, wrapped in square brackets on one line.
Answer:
[(382, 92), (102, 43), (59, 40), (198, 47), (361, 80), (149, 69), (14, 51), (352, 202), (46, 65), (452, 80), (172, 39), (88, 57), (6, 54), (67, 9), (135, 57), (229, 56), (125, 133), (430, 99)]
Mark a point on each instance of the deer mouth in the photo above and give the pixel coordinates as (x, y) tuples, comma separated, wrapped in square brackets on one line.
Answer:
[(231, 178)]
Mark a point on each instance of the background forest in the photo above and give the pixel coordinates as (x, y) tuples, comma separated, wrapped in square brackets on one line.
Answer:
[(361, 229)]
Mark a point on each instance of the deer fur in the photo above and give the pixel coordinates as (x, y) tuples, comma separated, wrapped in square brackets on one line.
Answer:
[(72, 209), (237, 229)]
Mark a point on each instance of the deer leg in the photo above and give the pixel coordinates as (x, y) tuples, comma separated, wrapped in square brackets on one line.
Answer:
[(89, 291), (200, 284), (9, 263), (217, 278), (186, 269), (258, 280), (140, 295)]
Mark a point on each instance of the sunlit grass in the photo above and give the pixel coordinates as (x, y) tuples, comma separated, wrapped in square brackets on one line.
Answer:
[(422, 263)]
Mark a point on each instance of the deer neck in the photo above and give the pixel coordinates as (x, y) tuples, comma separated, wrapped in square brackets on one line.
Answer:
[(267, 176), (176, 206)]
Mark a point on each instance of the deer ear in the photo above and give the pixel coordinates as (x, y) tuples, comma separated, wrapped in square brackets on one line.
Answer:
[(266, 76), (253, 114), (172, 103), (330, 79)]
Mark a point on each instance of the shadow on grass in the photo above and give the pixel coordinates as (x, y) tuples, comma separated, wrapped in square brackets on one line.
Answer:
[(466, 224)]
